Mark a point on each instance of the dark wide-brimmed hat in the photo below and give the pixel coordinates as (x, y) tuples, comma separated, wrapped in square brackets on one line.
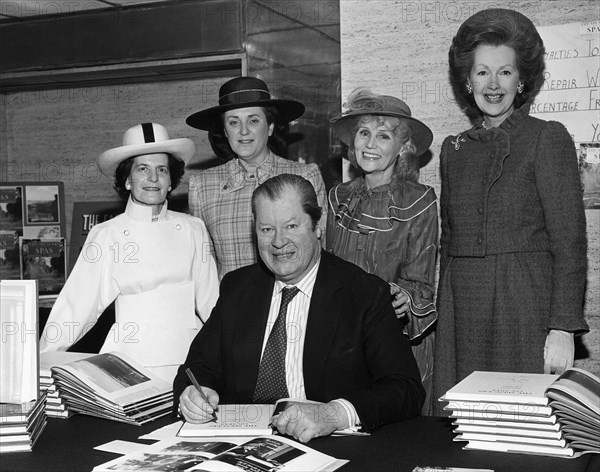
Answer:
[(146, 138), (244, 92), (364, 102)]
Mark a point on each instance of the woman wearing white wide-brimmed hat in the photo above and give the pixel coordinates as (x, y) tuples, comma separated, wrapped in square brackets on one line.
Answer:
[(154, 263)]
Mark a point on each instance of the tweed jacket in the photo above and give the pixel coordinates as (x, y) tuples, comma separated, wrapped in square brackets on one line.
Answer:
[(353, 349), (516, 188)]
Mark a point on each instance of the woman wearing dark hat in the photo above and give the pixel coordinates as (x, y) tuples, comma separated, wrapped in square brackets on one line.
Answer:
[(385, 221), (513, 245), (246, 128), (151, 261)]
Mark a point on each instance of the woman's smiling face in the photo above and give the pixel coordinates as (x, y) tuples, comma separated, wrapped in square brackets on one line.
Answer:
[(494, 78), (376, 147)]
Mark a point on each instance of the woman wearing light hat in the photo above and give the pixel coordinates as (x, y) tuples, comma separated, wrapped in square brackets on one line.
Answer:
[(385, 221), (247, 130), (155, 264)]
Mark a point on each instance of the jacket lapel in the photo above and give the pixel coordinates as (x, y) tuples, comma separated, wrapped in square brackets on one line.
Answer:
[(250, 330), (323, 316)]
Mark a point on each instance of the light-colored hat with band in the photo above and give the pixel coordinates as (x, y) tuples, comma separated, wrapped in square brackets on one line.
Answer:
[(146, 138), (364, 102), (244, 92)]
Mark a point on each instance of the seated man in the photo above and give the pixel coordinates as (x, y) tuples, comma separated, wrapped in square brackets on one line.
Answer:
[(343, 345)]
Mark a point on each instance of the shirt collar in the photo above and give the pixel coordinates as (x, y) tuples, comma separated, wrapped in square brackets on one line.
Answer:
[(307, 283), (240, 173), (138, 212)]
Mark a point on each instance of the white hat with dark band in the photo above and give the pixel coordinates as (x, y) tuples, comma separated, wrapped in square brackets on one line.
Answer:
[(146, 138)]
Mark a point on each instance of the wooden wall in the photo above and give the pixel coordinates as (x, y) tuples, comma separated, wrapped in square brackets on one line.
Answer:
[(401, 48)]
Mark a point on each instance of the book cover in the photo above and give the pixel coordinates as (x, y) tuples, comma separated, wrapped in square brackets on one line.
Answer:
[(44, 260), (10, 261), (505, 387), (112, 386), (233, 420), (86, 215), (11, 208)]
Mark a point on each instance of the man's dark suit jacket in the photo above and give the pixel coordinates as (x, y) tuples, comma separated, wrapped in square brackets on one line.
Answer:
[(354, 346)]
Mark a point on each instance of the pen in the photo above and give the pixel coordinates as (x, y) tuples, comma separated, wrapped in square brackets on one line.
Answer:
[(197, 385)]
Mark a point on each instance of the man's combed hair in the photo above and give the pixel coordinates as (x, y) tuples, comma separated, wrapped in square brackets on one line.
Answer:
[(275, 187), (496, 27)]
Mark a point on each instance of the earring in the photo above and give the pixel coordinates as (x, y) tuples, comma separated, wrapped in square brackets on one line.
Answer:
[(169, 189), (127, 186), (520, 87), (469, 88)]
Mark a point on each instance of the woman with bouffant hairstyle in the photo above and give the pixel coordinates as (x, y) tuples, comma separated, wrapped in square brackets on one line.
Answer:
[(513, 244)]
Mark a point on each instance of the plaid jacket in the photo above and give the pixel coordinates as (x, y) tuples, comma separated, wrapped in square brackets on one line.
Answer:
[(221, 197)]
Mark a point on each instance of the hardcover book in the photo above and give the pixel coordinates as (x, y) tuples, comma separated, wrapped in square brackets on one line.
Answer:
[(113, 387), (528, 413)]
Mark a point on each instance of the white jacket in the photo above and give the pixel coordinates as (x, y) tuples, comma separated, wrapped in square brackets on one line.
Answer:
[(158, 273)]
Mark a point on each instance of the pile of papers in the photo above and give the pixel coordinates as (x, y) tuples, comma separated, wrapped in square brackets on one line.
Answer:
[(113, 387), (512, 412), (21, 425)]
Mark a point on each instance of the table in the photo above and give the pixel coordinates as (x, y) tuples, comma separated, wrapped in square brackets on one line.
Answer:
[(67, 445)]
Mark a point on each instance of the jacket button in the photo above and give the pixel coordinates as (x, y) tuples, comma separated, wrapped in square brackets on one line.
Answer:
[(126, 233), (480, 210), (479, 240), (178, 226)]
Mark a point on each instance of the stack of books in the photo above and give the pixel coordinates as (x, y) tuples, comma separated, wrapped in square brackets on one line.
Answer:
[(113, 387), (527, 413), (21, 425), (56, 407)]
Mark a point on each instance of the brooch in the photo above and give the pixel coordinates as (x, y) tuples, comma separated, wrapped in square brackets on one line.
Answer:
[(456, 143)]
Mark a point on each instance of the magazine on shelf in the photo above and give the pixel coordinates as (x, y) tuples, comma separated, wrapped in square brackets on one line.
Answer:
[(114, 387), (259, 454)]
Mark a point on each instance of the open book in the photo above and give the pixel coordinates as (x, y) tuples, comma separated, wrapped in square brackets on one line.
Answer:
[(252, 420), (114, 387), (233, 420), (260, 454), (528, 413)]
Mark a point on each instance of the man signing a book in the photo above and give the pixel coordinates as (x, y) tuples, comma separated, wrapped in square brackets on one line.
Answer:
[(304, 324)]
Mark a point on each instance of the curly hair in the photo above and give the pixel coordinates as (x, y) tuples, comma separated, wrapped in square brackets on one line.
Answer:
[(277, 142), (496, 27), (407, 163), (123, 171)]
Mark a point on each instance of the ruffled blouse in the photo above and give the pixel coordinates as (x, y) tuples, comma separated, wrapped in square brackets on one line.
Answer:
[(390, 231)]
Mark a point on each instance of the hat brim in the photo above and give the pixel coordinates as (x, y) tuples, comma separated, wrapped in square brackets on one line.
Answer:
[(422, 135), (180, 148), (288, 110)]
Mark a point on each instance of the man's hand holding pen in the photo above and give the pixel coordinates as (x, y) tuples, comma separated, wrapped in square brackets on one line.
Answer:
[(198, 404)]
